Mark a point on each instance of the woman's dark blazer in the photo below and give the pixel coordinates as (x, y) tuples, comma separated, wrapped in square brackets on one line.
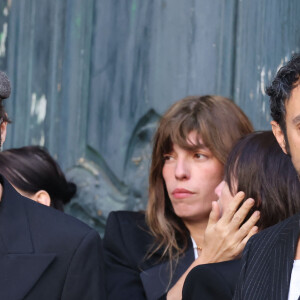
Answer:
[(129, 273), (45, 254), (212, 281)]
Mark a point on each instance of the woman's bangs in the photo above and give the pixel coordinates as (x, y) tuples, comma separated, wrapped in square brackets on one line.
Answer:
[(181, 135), (177, 132)]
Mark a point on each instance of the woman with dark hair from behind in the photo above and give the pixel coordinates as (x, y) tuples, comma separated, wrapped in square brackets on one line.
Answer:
[(36, 175), (257, 166)]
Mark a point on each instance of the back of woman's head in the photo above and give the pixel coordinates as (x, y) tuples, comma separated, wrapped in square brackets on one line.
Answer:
[(257, 166), (218, 123), (32, 169)]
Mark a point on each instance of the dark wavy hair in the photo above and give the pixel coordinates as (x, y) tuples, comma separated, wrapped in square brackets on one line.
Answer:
[(32, 169), (258, 166), (280, 89)]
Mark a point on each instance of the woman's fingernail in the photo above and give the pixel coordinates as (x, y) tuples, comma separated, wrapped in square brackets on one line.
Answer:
[(241, 194), (251, 201)]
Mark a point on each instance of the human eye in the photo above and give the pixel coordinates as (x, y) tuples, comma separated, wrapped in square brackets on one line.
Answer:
[(200, 156), (168, 157)]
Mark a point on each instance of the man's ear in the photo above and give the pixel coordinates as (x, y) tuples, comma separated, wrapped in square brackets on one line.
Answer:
[(42, 197), (279, 135), (3, 132)]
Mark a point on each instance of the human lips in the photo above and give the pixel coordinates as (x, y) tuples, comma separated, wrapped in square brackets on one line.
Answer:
[(181, 193)]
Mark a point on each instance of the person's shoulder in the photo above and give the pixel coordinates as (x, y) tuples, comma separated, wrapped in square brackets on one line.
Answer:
[(128, 230), (50, 221), (127, 218), (271, 234)]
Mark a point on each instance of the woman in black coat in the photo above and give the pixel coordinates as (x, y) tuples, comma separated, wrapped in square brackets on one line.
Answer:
[(148, 255), (257, 166)]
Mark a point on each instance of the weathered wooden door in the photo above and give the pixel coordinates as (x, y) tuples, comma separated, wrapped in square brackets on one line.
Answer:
[(92, 77)]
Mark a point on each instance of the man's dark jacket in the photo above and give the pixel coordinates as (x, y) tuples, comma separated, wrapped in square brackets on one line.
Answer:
[(268, 261), (45, 254)]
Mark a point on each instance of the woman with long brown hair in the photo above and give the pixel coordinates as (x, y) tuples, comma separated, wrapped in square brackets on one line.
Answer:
[(148, 255)]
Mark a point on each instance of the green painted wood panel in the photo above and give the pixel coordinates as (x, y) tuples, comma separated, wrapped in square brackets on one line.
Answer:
[(268, 32), (92, 78)]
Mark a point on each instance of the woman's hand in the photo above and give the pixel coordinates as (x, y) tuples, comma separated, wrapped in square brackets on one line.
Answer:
[(224, 239)]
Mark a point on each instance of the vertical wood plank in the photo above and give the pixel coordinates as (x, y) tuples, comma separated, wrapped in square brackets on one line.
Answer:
[(91, 79), (4, 19), (267, 35), (148, 54)]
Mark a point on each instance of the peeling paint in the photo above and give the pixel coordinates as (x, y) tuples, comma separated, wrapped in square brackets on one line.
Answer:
[(5, 11), (257, 87), (39, 141), (38, 107), (3, 36), (263, 107), (88, 165), (42, 139), (279, 66), (33, 103), (41, 109), (282, 62), (262, 80), (269, 75)]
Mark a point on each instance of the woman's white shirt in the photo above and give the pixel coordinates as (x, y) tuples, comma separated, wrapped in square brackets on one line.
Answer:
[(294, 292), (195, 248)]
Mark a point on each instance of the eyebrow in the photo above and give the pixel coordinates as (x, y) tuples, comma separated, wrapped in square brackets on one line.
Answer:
[(199, 147), (296, 120)]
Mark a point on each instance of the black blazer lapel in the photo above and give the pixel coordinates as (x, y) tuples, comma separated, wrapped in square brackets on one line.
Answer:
[(156, 278), (19, 273), (282, 259), (20, 266)]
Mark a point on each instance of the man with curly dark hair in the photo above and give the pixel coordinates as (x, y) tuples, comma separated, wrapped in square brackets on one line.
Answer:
[(271, 259)]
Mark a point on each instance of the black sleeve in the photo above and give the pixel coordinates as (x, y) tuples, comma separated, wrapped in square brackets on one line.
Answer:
[(85, 277), (122, 272), (205, 282)]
